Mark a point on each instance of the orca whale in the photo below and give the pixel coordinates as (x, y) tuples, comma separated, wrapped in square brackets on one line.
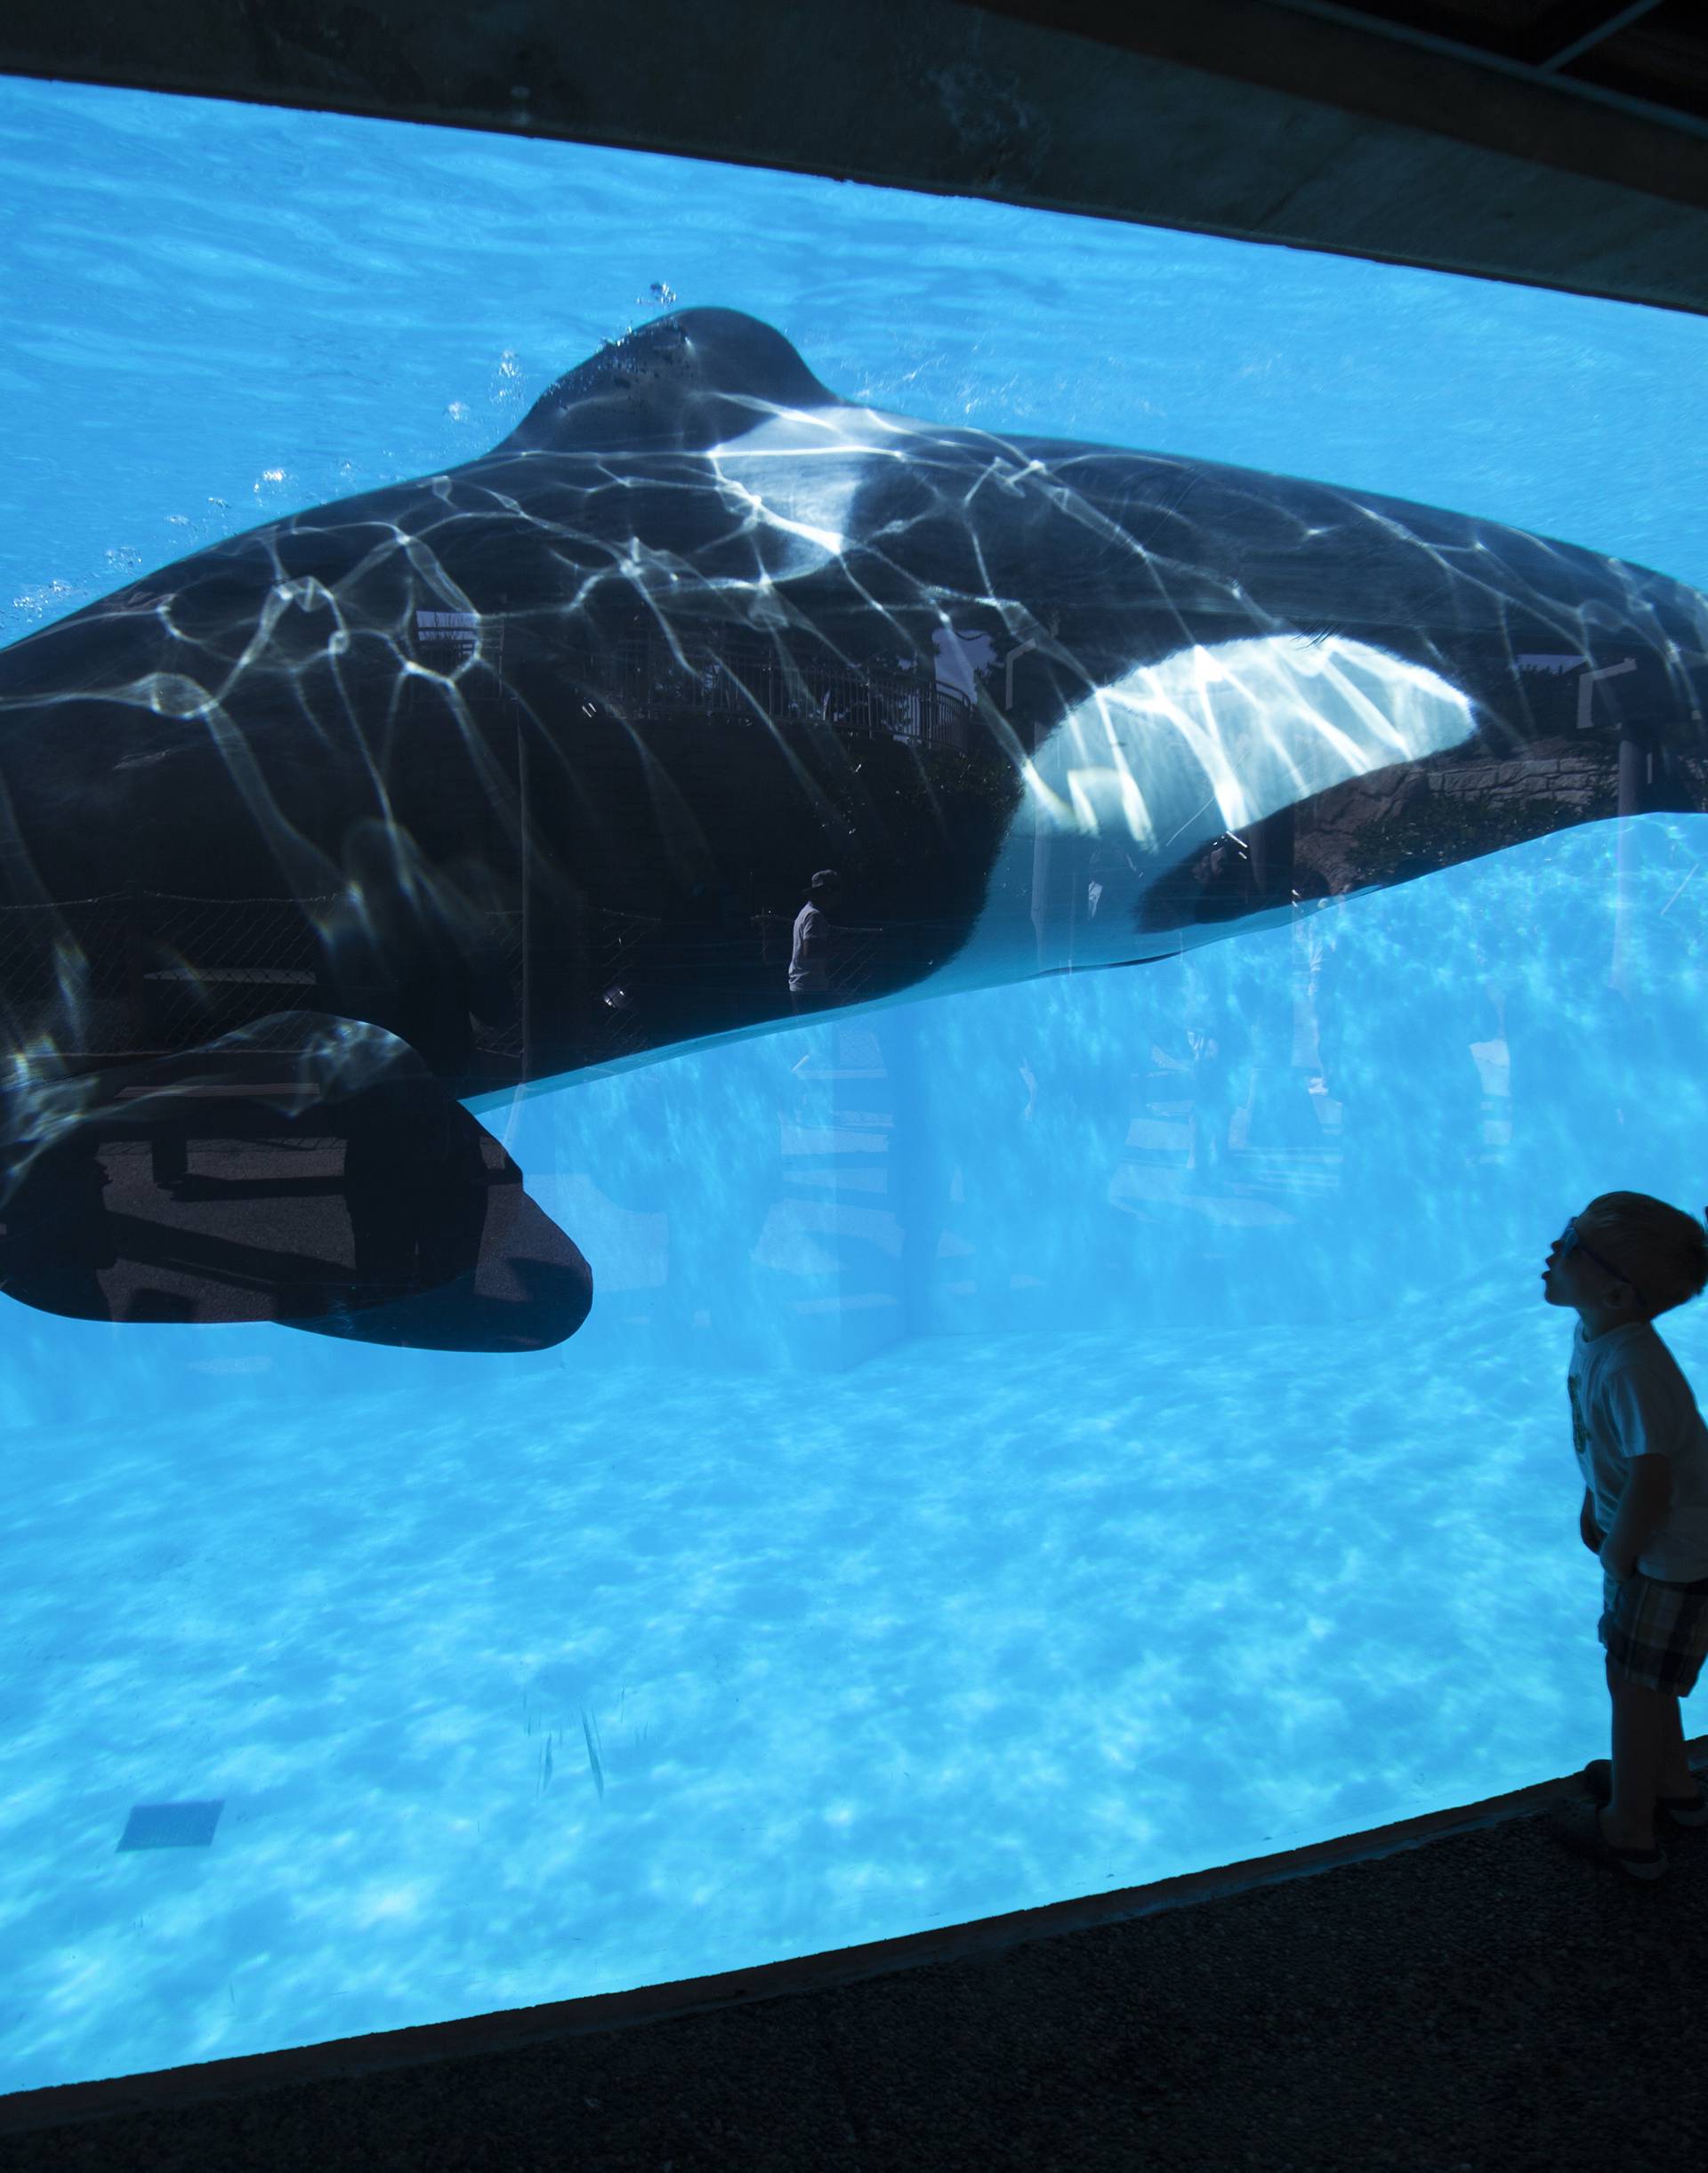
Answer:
[(505, 772)]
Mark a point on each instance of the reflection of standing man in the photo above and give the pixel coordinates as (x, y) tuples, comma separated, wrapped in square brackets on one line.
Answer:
[(809, 960)]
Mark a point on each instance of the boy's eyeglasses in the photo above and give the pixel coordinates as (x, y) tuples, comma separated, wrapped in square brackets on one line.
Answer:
[(1572, 1242)]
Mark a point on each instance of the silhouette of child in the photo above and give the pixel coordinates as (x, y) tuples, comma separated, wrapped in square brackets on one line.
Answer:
[(1642, 1449)]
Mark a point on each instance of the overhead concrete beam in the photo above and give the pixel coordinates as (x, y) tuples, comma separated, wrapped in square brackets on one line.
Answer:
[(1222, 117)]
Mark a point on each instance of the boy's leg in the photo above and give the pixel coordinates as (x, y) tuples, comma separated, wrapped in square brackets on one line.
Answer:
[(1676, 1778), (1629, 1820)]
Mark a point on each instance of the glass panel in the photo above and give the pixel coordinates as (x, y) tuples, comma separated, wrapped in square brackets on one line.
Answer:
[(800, 986)]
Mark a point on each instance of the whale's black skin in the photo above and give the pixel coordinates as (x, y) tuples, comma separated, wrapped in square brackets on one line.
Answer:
[(520, 751)]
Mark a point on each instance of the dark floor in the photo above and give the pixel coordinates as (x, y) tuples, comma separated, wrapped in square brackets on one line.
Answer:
[(1478, 2000)]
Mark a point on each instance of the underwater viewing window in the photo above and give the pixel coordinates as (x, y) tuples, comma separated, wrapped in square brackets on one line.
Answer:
[(800, 984)]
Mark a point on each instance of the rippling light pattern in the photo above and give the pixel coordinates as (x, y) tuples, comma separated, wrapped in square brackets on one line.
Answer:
[(773, 1466), (501, 760)]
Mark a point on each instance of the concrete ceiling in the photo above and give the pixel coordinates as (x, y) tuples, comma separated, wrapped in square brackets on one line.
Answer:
[(1562, 142)]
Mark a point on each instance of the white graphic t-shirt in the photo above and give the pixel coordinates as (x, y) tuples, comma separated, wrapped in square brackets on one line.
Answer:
[(1630, 1398)]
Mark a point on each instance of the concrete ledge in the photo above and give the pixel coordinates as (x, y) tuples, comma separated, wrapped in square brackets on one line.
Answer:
[(1225, 116)]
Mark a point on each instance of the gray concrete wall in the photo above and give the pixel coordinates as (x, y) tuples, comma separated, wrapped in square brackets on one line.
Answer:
[(1226, 117)]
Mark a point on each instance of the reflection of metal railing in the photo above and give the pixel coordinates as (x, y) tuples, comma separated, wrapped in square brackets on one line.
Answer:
[(932, 715), (503, 933), (852, 964), (146, 972), (754, 681), (232, 960), (616, 951), (149, 974)]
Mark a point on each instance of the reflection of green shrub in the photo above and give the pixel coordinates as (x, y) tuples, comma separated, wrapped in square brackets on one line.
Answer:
[(1442, 831), (988, 776), (914, 774)]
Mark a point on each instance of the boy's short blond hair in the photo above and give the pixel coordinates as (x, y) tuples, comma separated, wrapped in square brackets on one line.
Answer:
[(1662, 1251)]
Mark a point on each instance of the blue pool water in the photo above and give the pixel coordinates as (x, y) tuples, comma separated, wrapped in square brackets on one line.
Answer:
[(1211, 1491)]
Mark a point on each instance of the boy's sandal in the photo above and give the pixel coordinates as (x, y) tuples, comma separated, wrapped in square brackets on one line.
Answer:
[(1576, 1825), (1682, 1810)]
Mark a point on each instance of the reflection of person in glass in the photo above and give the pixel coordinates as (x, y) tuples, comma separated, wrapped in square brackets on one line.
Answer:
[(809, 959)]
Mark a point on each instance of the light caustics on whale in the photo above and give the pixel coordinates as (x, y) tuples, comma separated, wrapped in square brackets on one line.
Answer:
[(516, 769), (1201, 745)]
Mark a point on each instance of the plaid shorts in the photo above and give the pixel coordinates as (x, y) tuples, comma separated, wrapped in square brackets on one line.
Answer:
[(1656, 1634)]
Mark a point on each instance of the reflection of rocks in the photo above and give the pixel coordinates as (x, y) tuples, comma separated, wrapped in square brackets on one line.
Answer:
[(1330, 827), (1338, 844), (1554, 771)]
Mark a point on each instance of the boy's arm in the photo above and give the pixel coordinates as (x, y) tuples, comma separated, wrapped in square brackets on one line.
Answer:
[(1642, 1510)]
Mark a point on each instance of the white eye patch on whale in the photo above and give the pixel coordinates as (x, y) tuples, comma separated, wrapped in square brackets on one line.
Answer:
[(1208, 740)]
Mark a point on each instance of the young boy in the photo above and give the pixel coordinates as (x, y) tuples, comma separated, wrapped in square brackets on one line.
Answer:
[(1643, 1451)]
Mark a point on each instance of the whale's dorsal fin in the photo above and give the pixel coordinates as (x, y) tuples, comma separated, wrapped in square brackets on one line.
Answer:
[(693, 380)]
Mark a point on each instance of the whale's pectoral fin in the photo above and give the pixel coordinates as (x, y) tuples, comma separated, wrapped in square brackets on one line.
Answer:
[(451, 1254), (308, 1171)]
